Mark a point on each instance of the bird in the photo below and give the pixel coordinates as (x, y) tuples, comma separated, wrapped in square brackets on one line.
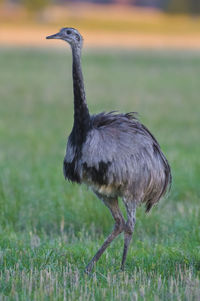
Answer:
[(114, 154)]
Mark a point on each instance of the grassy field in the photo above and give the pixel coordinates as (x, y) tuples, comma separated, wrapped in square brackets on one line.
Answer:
[(50, 229)]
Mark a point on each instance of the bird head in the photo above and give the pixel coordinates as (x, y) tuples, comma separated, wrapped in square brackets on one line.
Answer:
[(70, 35)]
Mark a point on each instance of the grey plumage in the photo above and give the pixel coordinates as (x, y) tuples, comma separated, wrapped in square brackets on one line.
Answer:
[(114, 154), (136, 167)]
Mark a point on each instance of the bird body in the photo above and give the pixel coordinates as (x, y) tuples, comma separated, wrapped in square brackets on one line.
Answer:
[(114, 154), (118, 158)]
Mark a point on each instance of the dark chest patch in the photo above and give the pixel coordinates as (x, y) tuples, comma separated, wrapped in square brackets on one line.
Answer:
[(97, 175), (70, 171)]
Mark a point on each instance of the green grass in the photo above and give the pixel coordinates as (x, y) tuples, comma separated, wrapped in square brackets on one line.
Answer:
[(50, 229)]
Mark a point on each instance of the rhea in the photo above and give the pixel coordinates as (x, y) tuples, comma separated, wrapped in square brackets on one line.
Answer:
[(114, 154)]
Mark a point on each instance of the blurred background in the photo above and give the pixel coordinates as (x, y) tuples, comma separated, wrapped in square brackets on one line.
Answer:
[(121, 23)]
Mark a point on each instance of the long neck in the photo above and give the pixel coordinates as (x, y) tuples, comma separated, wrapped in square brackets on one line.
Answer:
[(81, 113)]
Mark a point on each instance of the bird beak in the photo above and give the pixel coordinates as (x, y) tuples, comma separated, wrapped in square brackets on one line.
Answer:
[(54, 36)]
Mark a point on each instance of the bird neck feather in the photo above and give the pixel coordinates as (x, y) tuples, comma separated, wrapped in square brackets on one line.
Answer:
[(81, 112)]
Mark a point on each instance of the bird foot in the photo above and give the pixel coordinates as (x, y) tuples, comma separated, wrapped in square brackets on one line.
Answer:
[(89, 268)]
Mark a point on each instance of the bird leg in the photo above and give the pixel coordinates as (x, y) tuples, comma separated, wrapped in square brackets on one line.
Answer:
[(129, 227), (112, 204)]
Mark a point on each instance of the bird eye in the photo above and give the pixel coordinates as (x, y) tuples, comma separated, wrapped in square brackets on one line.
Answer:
[(69, 31)]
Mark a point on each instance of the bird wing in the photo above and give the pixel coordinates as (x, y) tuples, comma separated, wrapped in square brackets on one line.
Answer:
[(118, 145), (121, 152)]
